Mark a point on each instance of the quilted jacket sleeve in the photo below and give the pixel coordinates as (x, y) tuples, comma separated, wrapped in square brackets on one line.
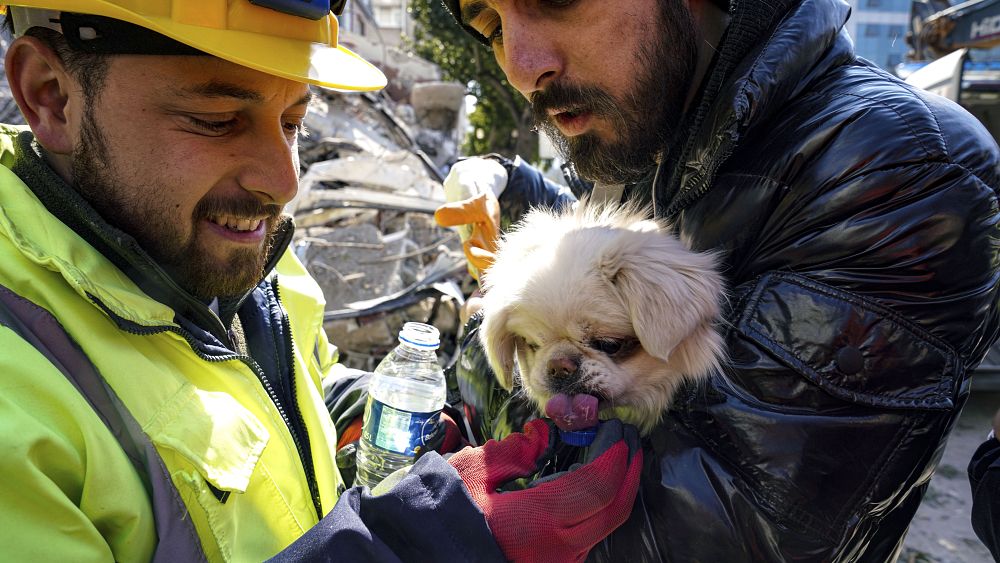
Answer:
[(427, 516), (863, 293)]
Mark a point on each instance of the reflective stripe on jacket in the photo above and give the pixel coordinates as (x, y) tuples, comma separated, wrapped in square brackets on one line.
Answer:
[(177, 540), (69, 492)]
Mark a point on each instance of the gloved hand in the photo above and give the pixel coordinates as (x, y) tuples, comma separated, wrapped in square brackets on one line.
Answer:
[(445, 438), (472, 188), (561, 518)]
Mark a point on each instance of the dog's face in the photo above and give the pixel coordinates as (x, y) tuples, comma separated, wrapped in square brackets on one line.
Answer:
[(601, 302)]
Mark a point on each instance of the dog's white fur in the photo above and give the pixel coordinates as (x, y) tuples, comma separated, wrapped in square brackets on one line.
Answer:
[(563, 283)]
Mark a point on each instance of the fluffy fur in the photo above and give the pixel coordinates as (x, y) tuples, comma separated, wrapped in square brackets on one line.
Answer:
[(601, 301)]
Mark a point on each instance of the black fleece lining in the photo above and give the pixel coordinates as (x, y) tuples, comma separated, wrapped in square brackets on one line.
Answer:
[(750, 21)]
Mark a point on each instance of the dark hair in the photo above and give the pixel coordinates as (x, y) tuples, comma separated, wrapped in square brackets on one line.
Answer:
[(89, 69)]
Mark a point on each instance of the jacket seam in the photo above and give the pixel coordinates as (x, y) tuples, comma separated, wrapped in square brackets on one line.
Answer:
[(905, 121), (272, 314), (271, 483), (734, 128), (937, 123), (879, 468), (751, 485)]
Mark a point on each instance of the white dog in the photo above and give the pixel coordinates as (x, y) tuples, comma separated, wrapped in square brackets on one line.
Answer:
[(602, 302)]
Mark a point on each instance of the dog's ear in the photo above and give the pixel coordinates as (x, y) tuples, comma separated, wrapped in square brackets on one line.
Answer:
[(500, 344), (671, 292)]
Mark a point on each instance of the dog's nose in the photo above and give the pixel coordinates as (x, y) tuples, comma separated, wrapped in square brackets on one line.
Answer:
[(563, 367)]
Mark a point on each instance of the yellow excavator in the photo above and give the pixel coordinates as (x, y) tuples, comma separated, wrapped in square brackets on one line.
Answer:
[(952, 54), (938, 28)]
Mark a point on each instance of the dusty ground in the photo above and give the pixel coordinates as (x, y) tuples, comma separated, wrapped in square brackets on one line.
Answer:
[(941, 531)]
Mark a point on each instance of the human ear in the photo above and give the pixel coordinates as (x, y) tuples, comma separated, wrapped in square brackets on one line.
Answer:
[(40, 86)]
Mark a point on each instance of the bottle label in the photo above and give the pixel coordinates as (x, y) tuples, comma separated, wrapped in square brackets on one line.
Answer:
[(398, 431)]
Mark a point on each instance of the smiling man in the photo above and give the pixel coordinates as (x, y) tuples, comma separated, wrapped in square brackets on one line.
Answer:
[(161, 348), (856, 218)]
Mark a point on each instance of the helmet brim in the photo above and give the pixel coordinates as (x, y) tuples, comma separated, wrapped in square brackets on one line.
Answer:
[(300, 60)]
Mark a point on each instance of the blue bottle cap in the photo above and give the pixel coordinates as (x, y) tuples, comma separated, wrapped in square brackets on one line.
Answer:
[(421, 335), (581, 438)]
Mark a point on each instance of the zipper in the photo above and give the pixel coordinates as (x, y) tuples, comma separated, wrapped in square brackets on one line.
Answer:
[(702, 184), (296, 424), (296, 429)]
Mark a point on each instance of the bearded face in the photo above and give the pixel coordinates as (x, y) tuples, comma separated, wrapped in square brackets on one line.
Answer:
[(195, 159), (631, 127), (177, 246)]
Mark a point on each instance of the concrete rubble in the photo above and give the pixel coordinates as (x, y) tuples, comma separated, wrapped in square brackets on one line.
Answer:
[(372, 167)]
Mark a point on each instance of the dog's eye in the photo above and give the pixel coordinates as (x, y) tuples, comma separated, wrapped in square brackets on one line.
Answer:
[(615, 347), (609, 347)]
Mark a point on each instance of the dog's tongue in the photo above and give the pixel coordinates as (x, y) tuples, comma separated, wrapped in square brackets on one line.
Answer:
[(572, 413)]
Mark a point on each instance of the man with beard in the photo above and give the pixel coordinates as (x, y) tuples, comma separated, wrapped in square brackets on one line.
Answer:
[(161, 348), (857, 219)]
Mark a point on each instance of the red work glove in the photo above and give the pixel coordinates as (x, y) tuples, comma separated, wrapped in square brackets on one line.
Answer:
[(446, 438), (563, 517)]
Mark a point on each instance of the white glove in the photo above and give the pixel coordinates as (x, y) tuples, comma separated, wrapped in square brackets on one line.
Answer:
[(471, 177)]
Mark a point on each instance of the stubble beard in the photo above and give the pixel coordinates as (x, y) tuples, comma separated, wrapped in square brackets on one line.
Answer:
[(646, 121), (141, 213)]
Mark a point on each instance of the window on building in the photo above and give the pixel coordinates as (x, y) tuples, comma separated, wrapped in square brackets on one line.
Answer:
[(389, 16)]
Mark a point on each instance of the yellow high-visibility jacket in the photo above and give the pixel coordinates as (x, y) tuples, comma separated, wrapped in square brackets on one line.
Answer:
[(68, 492)]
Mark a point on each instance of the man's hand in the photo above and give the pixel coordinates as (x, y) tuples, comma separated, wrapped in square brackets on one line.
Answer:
[(558, 519), (472, 188)]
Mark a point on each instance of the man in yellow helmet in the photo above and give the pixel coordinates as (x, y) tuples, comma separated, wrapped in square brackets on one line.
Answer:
[(161, 349)]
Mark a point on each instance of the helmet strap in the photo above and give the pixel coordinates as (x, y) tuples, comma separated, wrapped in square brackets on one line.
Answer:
[(98, 34), (108, 36)]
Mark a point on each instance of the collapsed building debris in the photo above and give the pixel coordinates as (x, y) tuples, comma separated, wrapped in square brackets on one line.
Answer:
[(372, 172)]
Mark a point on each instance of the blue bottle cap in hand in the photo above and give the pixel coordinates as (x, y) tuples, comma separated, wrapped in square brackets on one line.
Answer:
[(581, 438)]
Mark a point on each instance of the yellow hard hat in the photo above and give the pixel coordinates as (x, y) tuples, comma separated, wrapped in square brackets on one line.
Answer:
[(294, 39)]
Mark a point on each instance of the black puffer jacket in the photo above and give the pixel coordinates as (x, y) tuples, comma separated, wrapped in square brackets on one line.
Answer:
[(859, 221)]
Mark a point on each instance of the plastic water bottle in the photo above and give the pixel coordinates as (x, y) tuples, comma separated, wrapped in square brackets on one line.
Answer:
[(405, 398)]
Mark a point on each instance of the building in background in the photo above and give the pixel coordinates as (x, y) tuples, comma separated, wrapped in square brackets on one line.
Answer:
[(383, 21), (355, 17), (393, 20), (878, 28)]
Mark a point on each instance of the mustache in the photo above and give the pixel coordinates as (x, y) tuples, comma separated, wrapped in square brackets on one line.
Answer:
[(577, 97), (242, 207)]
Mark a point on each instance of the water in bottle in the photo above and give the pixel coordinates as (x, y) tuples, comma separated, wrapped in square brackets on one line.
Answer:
[(405, 398)]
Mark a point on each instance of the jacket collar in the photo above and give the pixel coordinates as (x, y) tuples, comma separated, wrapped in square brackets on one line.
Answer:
[(95, 277), (799, 45)]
